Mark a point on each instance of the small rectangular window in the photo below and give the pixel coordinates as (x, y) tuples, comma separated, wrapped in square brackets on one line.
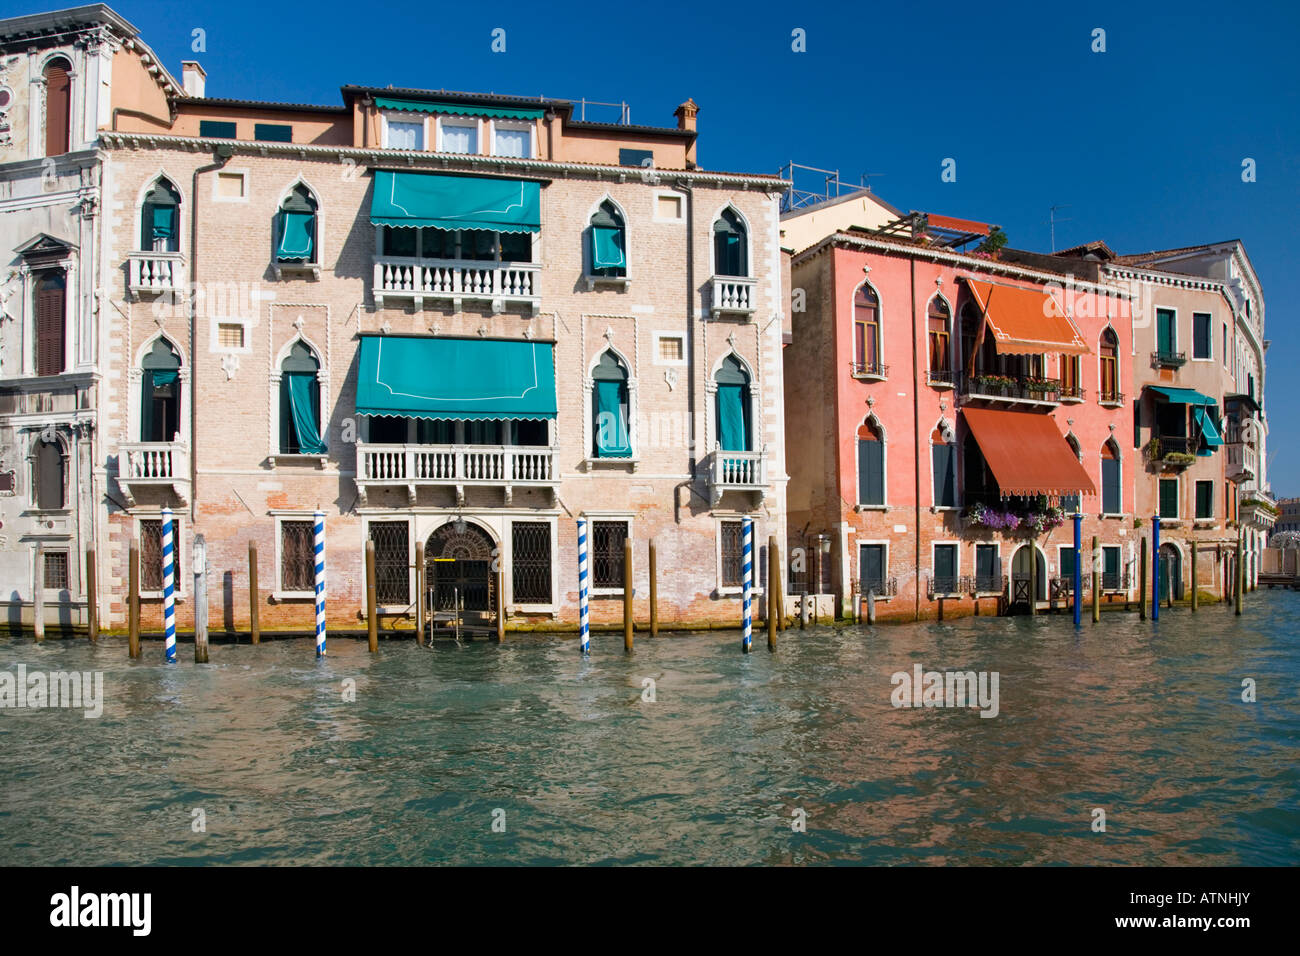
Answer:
[(405, 135), (56, 570), (297, 556), (607, 539), (217, 129), (392, 562), (272, 133), (512, 143), (230, 185), (458, 137), (668, 207), (732, 545), (230, 335), (151, 554), (1201, 325), (636, 157), (530, 559), (671, 349), (1205, 499)]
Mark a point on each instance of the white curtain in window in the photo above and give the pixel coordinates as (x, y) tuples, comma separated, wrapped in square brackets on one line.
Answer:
[(405, 135), (513, 143), (459, 139)]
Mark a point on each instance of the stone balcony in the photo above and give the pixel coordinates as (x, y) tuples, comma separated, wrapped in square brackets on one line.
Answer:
[(731, 295), (399, 279), (737, 471), (155, 273), (156, 464), (454, 466)]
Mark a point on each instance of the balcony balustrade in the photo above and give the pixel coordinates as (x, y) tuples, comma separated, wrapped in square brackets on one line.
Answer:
[(732, 295), (158, 464), (454, 466), (500, 283), (151, 273)]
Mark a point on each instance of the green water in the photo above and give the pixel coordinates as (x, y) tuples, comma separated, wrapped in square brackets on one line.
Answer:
[(1145, 722)]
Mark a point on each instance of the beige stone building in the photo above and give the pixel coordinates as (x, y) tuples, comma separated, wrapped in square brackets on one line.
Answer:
[(442, 319)]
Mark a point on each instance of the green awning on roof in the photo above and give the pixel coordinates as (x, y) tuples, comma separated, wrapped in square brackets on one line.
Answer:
[(444, 378), (1208, 430), (455, 202), (458, 109), (1184, 396)]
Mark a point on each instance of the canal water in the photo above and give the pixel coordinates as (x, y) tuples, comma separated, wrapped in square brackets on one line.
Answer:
[(524, 753)]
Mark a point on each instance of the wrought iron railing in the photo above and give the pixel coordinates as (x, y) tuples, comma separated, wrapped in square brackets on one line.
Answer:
[(1168, 359), (877, 369), (940, 376), (995, 385), (1110, 396), (880, 587), (945, 586)]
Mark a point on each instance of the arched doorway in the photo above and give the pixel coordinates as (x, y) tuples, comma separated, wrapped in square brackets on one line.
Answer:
[(458, 566), (1020, 575), (1171, 572)]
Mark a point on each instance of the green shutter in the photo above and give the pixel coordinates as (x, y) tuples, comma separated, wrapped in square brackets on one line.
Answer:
[(945, 494), (945, 561), (1164, 331), (1169, 498), (1067, 564), (1205, 499), (871, 472), (611, 420), (1110, 492)]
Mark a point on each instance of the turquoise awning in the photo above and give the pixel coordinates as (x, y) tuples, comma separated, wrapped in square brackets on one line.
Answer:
[(457, 109), (607, 248), (455, 202), (1184, 396), (444, 378), (1208, 431), (296, 236)]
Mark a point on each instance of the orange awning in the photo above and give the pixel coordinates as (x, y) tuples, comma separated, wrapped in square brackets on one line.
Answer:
[(1026, 322), (1027, 453)]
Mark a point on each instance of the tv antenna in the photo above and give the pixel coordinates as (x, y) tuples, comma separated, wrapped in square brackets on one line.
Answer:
[(1052, 220)]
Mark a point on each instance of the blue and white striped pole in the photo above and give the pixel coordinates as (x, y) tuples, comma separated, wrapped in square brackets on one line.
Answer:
[(747, 570), (169, 587), (584, 633), (319, 550)]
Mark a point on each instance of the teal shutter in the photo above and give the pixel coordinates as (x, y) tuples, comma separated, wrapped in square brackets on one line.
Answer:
[(296, 236), (146, 406), (871, 472), (303, 402), (873, 568), (945, 492), (611, 421), (1164, 331), (164, 222), (1110, 497), (607, 248), (945, 563), (1205, 499), (732, 433), (1067, 564), (985, 561), (1110, 561)]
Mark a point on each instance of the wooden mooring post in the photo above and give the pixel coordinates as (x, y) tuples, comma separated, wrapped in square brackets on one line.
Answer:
[(773, 563), (372, 617), (1142, 581), (1033, 582), (1240, 576), (92, 597), (1096, 582), (627, 595), (254, 623), (419, 593), (200, 600), (501, 607), (1195, 584), (654, 590), (133, 600)]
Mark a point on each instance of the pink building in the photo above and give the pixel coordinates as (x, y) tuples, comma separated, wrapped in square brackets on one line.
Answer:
[(936, 398)]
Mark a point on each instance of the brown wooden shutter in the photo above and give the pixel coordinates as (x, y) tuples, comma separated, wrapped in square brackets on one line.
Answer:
[(50, 302), (58, 108)]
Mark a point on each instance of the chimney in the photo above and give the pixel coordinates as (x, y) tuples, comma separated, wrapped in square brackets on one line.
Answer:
[(686, 114), (192, 78)]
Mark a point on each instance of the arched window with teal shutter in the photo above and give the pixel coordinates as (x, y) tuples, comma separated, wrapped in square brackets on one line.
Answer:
[(300, 432), (295, 227), (735, 431), (730, 246), (608, 243), (160, 393), (160, 219), (610, 409)]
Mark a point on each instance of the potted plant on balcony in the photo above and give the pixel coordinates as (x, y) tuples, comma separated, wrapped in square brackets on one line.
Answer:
[(1153, 449), (1040, 386), (1178, 459)]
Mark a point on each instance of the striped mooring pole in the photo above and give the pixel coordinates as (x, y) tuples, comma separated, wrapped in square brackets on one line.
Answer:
[(584, 633), (747, 572), (1155, 568), (319, 548), (169, 587)]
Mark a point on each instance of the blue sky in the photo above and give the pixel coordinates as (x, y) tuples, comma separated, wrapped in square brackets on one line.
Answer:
[(1143, 142)]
